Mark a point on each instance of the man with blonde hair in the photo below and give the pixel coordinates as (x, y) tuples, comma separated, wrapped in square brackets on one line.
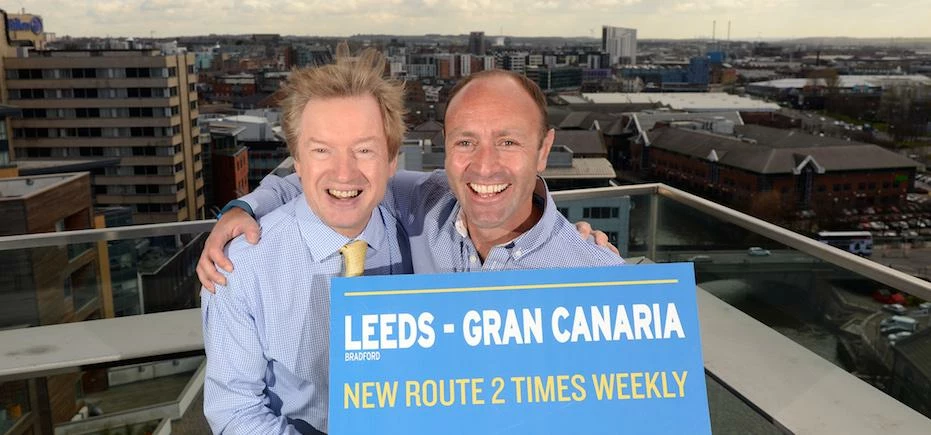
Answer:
[(266, 334)]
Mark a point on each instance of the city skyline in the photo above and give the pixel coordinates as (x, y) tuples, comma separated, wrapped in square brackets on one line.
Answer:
[(672, 19)]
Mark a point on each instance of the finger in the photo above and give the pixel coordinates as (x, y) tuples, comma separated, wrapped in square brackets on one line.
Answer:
[(252, 232), (584, 229), (601, 239), (217, 257), (202, 276)]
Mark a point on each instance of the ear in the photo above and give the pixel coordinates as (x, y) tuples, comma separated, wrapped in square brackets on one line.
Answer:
[(545, 148), (393, 165), (297, 165)]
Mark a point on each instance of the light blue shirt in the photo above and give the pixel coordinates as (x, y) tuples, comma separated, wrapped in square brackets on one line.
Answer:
[(430, 215), (266, 333)]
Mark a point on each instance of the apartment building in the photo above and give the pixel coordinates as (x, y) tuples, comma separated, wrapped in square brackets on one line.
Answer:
[(136, 105)]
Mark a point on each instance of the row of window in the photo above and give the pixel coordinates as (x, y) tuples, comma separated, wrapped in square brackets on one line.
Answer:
[(599, 212), (67, 93), (105, 112), (89, 73), (96, 132), (101, 151)]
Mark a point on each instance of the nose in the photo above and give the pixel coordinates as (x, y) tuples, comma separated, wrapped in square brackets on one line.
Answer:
[(346, 167), (485, 160)]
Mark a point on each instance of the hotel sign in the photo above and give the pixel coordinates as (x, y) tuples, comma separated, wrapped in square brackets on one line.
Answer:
[(25, 27)]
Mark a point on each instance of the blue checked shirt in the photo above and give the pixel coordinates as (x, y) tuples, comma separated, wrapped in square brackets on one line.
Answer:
[(439, 242), (267, 333)]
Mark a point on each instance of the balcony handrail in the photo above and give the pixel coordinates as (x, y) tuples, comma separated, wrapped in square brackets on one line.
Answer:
[(99, 234), (870, 269)]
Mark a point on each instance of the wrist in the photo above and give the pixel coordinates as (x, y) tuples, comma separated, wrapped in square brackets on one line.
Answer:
[(234, 204)]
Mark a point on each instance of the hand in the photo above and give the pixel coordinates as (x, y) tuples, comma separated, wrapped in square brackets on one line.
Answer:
[(601, 239), (233, 223)]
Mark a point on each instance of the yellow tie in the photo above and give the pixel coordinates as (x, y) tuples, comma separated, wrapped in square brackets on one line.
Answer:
[(354, 257)]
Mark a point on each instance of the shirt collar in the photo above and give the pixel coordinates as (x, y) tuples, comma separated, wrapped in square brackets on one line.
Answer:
[(532, 238), (324, 242)]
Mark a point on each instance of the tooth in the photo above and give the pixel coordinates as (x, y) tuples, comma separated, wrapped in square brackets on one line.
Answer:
[(344, 193), (488, 188)]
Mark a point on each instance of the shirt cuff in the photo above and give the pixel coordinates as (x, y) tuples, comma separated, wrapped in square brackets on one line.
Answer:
[(236, 203)]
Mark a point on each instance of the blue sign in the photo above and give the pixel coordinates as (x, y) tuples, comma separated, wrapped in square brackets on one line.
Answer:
[(593, 351), (16, 25)]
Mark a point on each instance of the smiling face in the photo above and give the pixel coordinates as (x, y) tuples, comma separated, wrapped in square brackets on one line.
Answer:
[(343, 161), (495, 147)]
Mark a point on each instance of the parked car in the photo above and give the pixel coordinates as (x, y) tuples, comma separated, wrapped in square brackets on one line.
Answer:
[(897, 336), (885, 296), (757, 251), (700, 259), (894, 308)]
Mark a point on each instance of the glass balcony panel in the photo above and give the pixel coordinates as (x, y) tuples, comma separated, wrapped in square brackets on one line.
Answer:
[(63, 282), (837, 313)]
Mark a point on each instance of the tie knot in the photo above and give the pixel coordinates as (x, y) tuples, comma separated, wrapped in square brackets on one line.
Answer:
[(354, 257)]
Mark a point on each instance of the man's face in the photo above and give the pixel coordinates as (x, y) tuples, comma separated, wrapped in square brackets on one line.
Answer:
[(493, 153), (342, 160)]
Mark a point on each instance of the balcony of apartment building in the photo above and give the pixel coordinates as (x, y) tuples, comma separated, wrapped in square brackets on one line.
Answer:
[(791, 339)]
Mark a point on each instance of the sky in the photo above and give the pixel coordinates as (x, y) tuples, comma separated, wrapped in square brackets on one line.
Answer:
[(676, 19)]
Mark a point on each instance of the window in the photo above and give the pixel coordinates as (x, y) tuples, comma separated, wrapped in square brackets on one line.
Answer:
[(83, 73), (138, 73), (85, 93), (180, 185), (146, 189), (141, 112), (179, 167), (91, 151), (34, 113), (139, 92), (38, 152), (599, 212), (145, 170), (612, 237), (66, 287), (87, 113)]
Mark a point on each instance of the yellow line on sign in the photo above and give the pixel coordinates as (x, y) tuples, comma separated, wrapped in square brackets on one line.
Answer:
[(508, 287)]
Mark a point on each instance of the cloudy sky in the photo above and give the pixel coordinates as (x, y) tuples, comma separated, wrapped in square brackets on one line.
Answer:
[(750, 19)]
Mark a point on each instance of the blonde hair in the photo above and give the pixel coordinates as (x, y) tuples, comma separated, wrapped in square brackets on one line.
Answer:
[(346, 77)]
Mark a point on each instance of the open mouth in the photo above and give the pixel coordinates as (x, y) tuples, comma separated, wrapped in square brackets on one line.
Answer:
[(344, 194), (488, 190)]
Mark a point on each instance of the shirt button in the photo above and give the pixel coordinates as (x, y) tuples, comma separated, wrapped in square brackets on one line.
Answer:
[(518, 253), (472, 259)]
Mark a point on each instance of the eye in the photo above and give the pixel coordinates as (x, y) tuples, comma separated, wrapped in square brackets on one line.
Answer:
[(509, 143), (464, 143)]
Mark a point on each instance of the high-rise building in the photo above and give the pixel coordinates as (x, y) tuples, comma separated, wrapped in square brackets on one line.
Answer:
[(477, 43), (136, 105), (621, 45)]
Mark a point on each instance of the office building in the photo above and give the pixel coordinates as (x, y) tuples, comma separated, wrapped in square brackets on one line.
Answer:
[(136, 105), (477, 43), (621, 45)]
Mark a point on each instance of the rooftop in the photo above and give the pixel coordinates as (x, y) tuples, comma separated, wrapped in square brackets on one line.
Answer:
[(778, 154), (848, 81), (687, 101), (25, 187)]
